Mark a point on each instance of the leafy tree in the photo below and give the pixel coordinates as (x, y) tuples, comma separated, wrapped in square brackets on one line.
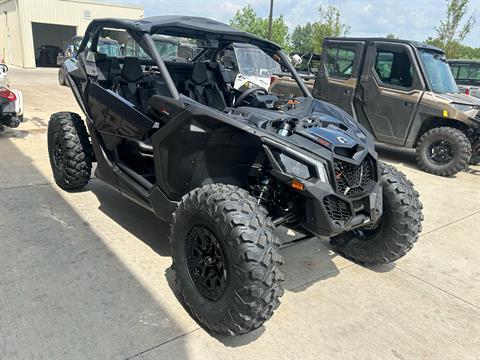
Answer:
[(391, 36), (452, 31), (302, 39), (309, 37), (247, 20)]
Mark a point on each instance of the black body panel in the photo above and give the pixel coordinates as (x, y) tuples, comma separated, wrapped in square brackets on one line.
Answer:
[(155, 154)]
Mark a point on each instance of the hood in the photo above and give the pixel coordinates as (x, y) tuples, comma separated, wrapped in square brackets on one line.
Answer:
[(460, 98), (316, 127)]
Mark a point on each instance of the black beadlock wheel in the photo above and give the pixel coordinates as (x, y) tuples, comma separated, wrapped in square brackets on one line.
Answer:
[(226, 259), (443, 151), (70, 150), (397, 230)]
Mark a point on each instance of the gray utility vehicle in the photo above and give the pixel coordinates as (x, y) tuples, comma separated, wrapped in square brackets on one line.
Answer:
[(404, 93), (467, 75), (11, 102), (307, 68), (226, 166)]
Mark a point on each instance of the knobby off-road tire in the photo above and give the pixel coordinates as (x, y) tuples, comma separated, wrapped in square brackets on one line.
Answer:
[(249, 247), (397, 230), (475, 158), (70, 150), (61, 78), (459, 144)]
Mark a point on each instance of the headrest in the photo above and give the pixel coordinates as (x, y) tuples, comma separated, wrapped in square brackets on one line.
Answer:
[(199, 73), (132, 69)]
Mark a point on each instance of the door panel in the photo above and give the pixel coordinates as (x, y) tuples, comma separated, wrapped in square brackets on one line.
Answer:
[(337, 78), (390, 91), (113, 115)]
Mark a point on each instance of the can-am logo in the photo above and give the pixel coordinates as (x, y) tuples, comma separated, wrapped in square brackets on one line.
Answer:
[(343, 140)]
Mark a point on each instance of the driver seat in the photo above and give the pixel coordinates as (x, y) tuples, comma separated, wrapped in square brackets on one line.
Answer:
[(127, 82), (203, 86)]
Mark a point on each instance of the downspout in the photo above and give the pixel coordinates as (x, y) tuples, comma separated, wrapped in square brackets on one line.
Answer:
[(20, 31)]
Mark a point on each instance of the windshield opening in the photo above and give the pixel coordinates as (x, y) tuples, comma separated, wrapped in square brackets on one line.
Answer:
[(438, 72)]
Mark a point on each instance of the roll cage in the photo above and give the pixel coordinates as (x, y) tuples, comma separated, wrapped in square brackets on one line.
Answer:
[(214, 35)]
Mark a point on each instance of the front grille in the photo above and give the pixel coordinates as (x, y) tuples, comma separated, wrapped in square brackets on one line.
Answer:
[(337, 209), (352, 180)]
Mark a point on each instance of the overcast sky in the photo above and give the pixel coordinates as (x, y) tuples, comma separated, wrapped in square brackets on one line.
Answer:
[(409, 19)]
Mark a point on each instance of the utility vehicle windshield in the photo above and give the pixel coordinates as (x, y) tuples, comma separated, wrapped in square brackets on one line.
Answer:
[(438, 72), (466, 73), (254, 62), (167, 47), (109, 48)]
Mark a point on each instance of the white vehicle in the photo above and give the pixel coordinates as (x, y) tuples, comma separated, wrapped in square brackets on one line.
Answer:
[(252, 66), (11, 102)]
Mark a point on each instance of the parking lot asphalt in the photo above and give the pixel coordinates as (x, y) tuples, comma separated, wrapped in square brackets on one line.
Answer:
[(86, 275)]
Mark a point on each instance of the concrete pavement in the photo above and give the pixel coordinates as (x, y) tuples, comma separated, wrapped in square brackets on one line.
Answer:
[(87, 274)]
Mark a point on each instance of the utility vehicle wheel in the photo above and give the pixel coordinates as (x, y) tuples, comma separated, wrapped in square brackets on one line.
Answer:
[(475, 158), (61, 78), (226, 259), (443, 151), (70, 150), (396, 231)]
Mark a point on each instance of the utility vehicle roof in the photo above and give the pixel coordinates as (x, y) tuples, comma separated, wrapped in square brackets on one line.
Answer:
[(183, 26), (463, 61), (413, 43)]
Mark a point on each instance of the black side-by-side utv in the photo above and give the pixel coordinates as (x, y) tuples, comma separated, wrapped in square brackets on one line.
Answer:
[(227, 166)]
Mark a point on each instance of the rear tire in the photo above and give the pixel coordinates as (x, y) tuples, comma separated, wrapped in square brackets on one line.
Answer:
[(398, 228), (62, 79), (244, 293), (70, 150), (457, 147)]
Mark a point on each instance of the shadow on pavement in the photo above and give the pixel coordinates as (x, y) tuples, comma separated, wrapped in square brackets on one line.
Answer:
[(63, 292), (306, 263)]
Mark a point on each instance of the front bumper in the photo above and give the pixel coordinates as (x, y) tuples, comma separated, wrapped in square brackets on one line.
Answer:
[(334, 207), (328, 213)]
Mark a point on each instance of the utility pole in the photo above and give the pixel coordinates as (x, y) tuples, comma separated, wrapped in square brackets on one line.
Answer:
[(270, 21)]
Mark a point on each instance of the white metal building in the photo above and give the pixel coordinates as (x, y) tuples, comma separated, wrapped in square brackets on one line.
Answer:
[(25, 25)]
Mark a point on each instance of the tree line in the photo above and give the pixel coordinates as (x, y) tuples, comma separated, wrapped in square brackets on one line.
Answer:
[(309, 37)]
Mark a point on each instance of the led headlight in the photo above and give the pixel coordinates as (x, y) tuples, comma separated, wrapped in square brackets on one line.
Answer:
[(294, 167), (302, 169), (461, 107)]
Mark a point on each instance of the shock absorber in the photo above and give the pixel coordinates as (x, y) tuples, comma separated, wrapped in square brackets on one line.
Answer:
[(263, 190)]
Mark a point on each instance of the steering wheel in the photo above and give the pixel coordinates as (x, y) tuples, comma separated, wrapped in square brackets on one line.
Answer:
[(248, 92)]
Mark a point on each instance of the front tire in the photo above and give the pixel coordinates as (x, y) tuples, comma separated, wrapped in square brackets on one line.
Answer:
[(62, 78), (398, 228), (475, 158), (226, 259), (443, 151), (70, 150)]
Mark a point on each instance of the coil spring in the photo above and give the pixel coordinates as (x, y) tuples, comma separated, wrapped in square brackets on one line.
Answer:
[(263, 191)]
